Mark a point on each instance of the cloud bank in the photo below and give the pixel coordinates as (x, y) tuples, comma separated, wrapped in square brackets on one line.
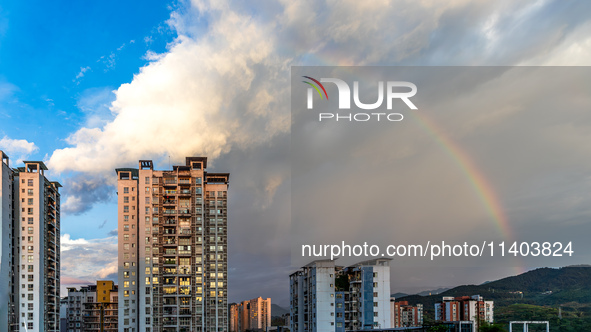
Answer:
[(222, 88)]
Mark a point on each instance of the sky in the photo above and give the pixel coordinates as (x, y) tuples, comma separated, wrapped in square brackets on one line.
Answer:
[(91, 86)]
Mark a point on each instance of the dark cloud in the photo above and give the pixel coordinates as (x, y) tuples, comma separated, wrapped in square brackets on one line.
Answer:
[(82, 191), (113, 233)]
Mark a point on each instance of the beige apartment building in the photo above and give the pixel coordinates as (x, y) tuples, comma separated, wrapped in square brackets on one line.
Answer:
[(172, 248), (30, 248)]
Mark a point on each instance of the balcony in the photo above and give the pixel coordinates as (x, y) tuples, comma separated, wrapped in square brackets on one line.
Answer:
[(185, 231), (184, 192), (169, 202), (169, 183)]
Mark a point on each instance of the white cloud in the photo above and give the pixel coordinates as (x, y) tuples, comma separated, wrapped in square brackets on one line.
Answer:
[(18, 149), (189, 100), (83, 70), (88, 259)]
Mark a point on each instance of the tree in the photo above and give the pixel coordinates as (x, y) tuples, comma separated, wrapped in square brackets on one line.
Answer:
[(487, 327)]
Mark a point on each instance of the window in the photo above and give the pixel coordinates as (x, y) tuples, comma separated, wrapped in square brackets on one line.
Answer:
[(30, 230), (30, 201), (29, 191), (30, 268), (30, 221), (126, 209), (30, 182), (126, 199), (30, 211), (126, 190), (147, 180), (29, 297), (30, 259)]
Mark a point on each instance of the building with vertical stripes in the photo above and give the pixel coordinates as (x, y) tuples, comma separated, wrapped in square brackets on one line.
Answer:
[(172, 229), (30, 248)]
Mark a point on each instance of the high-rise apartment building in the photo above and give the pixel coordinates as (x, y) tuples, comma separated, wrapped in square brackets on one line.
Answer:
[(251, 315), (93, 308), (464, 308), (30, 257), (325, 297), (172, 248), (8, 248)]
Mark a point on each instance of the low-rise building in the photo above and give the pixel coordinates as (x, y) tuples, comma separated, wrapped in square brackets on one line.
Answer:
[(93, 307)]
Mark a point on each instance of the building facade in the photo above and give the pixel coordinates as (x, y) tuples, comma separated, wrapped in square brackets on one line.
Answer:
[(172, 248), (30, 257), (251, 315), (325, 297), (93, 308), (464, 308), (405, 315)]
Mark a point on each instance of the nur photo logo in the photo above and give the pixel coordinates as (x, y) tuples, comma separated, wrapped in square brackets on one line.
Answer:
[(391, 91)]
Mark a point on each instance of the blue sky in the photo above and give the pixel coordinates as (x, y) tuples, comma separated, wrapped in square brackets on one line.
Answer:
[(88, 86), (60, 62), (45, 46)]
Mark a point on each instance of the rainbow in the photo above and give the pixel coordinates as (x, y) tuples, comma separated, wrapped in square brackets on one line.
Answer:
[(478, 181)]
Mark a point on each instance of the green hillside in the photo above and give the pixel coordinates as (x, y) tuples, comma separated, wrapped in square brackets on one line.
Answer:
[(542, 292)]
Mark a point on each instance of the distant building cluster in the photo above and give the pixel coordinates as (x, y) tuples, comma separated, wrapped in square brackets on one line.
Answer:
[(326, 297), (91, 308), (251, 315)]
